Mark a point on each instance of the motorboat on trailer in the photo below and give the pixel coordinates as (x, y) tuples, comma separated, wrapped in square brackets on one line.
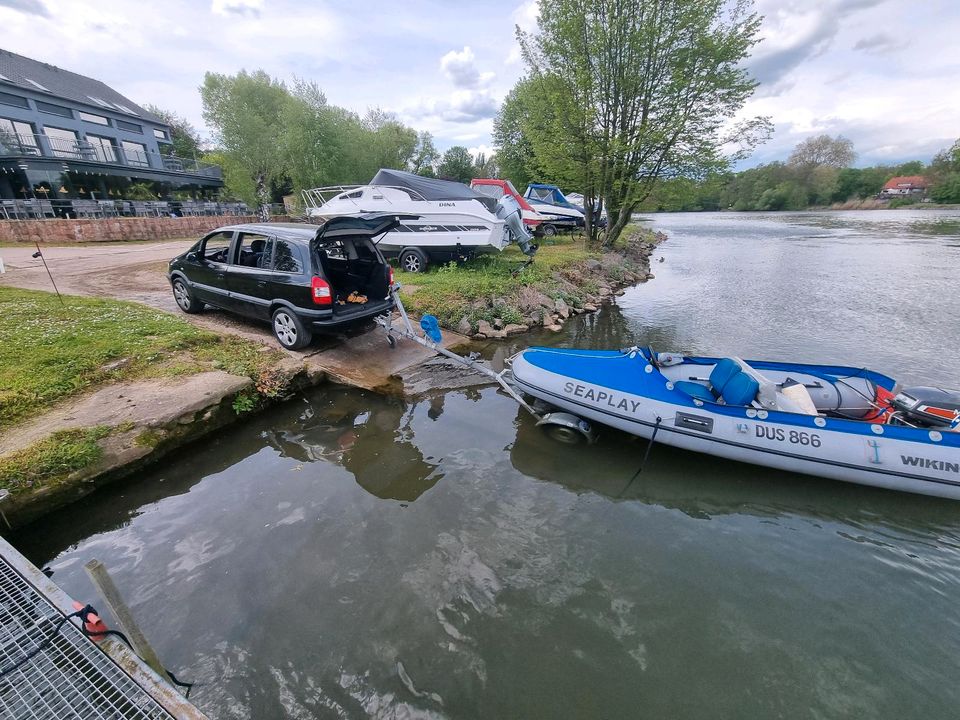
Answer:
[(497, 189), (451, 221), (548, 200), (844, 423)]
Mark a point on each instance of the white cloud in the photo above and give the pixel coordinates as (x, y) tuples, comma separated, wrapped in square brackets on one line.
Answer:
[(461, 69), (249, 8), (485, 150)]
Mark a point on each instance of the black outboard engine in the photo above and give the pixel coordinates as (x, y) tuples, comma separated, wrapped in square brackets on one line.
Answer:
[(929, 406)]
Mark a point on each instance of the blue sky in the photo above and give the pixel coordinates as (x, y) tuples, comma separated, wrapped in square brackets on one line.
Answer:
[(882, 72)]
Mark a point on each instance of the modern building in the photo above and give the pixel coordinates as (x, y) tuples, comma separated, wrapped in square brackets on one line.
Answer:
[(905, 185), (64, 136)]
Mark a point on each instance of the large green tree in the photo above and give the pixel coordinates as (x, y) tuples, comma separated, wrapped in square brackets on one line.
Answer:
[(626, 93), (457, 165), (246, 112)]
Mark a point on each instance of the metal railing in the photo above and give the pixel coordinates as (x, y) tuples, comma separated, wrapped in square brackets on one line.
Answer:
[(41, 145), (36, 209)]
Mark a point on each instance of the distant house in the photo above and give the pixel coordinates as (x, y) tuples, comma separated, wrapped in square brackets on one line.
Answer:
[(905, 185), (64, 135)]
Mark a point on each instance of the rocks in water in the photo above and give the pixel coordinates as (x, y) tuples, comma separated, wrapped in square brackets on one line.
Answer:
[(589, 307), (561, 308), (604, 291), (555, 327), (488, 331), (515, 329), (464, 327)]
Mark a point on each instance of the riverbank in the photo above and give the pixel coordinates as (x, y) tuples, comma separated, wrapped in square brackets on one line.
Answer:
[(94, 390), (496, 296)]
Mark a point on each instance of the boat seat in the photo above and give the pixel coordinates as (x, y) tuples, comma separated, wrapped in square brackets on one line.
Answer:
[(723, 371), (741, 389)]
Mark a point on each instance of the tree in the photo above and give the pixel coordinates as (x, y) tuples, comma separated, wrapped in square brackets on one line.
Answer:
[(626, 93), (823, 150), (456, 165), (246, 111), (486, 167), (424, 154), (184, 137)]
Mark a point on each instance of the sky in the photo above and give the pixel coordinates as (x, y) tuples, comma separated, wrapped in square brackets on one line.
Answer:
[(880, 72)]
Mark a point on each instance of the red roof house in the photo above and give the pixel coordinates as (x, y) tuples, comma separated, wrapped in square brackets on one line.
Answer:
[(905, 185)]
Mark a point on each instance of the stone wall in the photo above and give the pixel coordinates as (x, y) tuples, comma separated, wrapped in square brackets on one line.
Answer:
[(57, 232)]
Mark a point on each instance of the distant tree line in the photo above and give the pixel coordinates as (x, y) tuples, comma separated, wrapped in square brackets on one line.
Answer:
[(817, 174)]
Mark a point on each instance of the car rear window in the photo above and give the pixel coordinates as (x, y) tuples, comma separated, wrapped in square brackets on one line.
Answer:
[(286, 257)]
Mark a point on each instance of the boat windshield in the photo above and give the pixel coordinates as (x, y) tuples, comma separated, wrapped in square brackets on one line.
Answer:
[(513, 190)]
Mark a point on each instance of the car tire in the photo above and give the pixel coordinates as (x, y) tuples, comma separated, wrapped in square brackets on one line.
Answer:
[(549, 230), (413, 260), (290, 330), (185, 298)]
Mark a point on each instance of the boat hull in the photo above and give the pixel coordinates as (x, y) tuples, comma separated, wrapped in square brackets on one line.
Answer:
[(620, 391)]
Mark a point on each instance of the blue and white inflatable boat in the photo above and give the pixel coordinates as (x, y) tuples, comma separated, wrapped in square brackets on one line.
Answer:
[(844, 423)]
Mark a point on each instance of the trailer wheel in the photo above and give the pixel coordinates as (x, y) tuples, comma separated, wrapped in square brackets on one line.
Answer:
[(549, 230), (565, 435), (413, 260), (391, 341)]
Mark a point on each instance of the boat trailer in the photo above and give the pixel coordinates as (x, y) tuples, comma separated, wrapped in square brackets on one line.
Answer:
[(563, 426)]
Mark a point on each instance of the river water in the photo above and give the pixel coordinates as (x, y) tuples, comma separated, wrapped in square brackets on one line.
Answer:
[(351, 555)]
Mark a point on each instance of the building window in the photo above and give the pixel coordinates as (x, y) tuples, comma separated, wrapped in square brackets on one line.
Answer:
[(135, 153), (159, 134), (18, 137), (38, 85), (129, 126), (100, 102), (127, 110), (54, 109), (63, 143), (103, 148), (91, 118), (15, 100)]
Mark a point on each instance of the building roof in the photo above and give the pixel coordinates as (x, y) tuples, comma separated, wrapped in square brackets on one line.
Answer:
[(917, 181), (20, 71)]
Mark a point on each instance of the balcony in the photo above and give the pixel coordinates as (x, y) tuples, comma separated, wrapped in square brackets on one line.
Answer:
[(96, 150)]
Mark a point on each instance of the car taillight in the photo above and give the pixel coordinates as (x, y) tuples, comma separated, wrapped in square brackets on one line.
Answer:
[(390, 268), (320, 291)]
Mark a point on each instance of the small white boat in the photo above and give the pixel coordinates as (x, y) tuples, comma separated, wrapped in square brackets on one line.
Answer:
[(844, 423), (548, 200), (451, 222)]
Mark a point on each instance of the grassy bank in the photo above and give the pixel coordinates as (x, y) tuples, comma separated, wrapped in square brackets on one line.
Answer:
[(566, 276), (51, 351)]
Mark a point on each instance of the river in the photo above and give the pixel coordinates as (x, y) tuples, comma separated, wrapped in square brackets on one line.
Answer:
[(351, 555)]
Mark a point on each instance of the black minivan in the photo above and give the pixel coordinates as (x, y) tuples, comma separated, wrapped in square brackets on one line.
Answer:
[(302, 278)]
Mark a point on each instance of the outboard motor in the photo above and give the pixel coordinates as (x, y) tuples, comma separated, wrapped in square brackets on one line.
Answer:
[(930, 406), (508, 210)]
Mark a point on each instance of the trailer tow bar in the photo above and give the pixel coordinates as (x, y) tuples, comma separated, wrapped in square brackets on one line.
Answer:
[(406, 330)]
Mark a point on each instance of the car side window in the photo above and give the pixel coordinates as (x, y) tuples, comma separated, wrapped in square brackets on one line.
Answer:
[(216, 248), (252, 247), (286, 258)]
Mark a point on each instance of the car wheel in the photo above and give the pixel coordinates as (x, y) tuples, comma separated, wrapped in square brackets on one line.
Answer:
[(549, 230), (290, 332), (413, 260), (185, 298)]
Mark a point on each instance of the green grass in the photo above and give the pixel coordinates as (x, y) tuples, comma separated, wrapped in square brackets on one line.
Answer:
[(451, 291), (51, 460), (50, 352)]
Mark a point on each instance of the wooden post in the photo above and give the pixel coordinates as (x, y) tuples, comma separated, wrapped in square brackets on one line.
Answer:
[(111, 596)]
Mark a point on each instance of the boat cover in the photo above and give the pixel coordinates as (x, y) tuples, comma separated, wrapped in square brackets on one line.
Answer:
[(429, 188)]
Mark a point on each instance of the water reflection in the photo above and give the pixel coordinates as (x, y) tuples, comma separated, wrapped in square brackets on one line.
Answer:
[(375, 441)]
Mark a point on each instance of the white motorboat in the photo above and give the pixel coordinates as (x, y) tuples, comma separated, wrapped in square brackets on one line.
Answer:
[(550, 202), (452, 221)]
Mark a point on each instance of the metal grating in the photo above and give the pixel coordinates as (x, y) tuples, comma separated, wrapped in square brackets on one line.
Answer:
[(71, 678)]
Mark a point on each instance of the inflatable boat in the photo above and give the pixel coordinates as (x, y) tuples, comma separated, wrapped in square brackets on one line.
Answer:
[(844, 423)]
